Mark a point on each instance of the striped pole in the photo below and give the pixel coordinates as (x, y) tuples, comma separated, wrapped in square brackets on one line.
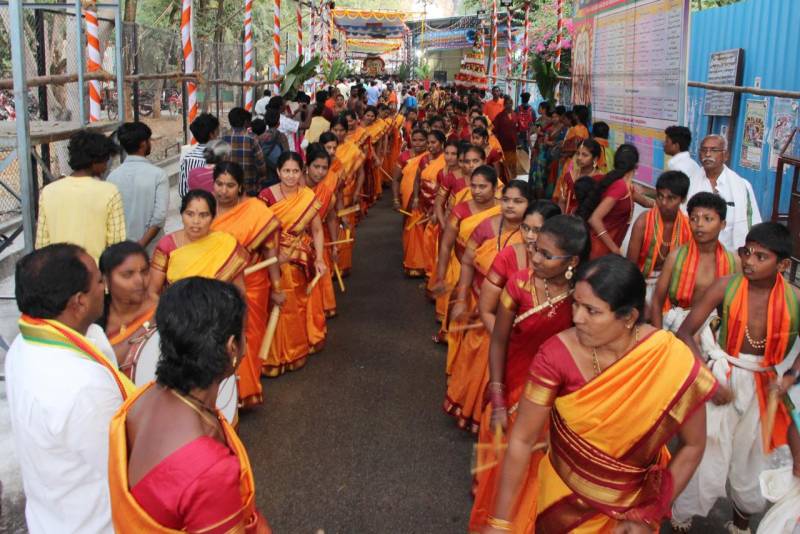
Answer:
[(330, 32), (559, 14), (93, 60), (526, 43), (312, 32), (509, 52), (494, 41), (249, 72), (276, 42), (299, 31), (188, 60)]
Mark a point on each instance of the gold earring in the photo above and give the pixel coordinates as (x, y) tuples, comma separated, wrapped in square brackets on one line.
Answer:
[(569, 274), (105, 290)]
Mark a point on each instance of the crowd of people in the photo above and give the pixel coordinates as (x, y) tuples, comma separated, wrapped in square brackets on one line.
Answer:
[(578, 345)]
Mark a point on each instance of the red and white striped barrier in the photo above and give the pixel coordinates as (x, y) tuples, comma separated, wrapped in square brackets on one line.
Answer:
[(560, 15), (276, 42), (93, 60), (299, 31), (188, 60)]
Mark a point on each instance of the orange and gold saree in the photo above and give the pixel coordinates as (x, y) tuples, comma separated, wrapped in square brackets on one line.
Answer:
[(218, 255), (291, 345), (128, 515), (413, 229), (256, 228), (322, 301), (428, 186), (125, 339), (351, 158), (608, 454)]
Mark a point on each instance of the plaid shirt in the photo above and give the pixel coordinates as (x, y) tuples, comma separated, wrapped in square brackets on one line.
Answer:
[(246, 151)]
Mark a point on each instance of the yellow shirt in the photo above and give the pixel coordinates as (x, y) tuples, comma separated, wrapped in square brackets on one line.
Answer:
[(318, 126), (84, 211)]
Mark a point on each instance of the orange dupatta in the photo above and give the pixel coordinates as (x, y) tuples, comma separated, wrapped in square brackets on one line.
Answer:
[(608, 454), (654, 239), (128, 516), (782, 325), (409, 174)]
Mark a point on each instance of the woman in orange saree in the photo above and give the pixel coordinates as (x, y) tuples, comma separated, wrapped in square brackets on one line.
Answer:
[(196, 250), (583, 163), (351, 158), (615, 391), (129, 307), (406, 178), (257, 230), (375, 129), (358, 135), (451, 180), (469, 367), (175, 464), (535, 305), (302, 245), (425, 186)]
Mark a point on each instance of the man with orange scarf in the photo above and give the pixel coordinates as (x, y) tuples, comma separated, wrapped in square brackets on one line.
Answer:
[(760, 319)]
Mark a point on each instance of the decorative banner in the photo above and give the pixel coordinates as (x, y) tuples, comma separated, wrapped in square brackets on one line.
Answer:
[(373, 46), (249, 71), (188, 61), (784, 121), (370, 24), (93, 61), (755, 123), (444, 40)]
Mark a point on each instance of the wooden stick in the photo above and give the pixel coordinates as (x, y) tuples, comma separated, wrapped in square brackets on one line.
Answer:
[(422, 221), (314, 282), (772, 410), (338, 276), (339, 242), (260, 265), (461, 328), (266, 342), (389, 176), (404, 212), (348, 211), (347, 234)]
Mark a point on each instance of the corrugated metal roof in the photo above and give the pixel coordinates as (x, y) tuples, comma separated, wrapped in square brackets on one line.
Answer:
[(767, 31)]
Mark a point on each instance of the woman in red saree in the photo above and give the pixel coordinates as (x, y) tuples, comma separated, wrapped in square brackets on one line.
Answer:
[(615, 391), (175, 463), (257, 230), (302, 245), (610, 207), (583, 163), (536, 304), (129, 307), (469, 366), (351, 158), (451, 180)]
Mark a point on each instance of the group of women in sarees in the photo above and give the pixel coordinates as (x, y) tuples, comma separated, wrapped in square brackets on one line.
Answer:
[(571, 396)]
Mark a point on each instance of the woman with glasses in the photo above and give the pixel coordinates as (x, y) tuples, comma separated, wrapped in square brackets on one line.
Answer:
[(469, 367), (536, 304)]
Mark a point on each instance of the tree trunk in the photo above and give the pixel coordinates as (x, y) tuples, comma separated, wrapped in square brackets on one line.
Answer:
[(130, 17)]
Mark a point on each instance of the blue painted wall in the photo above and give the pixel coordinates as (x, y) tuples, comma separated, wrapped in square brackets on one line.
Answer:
[(767, 31)]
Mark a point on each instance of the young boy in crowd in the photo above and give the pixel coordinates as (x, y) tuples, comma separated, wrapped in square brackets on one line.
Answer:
[(661, 229), (758, 330)]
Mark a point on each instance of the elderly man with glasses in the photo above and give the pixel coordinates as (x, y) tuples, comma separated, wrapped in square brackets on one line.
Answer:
[(716, 177)]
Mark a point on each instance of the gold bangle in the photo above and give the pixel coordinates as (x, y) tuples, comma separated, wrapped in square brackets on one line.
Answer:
[(601, 234), (499, 524)]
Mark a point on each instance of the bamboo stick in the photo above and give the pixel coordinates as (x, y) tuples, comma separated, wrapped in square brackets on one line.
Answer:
[(272, 324), (461, 328), (348, 211), (260, 265), (404, 212), (339, 242), (314, 282), (338, 273)]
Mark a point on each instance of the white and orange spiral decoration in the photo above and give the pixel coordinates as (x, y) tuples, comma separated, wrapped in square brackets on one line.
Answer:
[(299, 32), (510, 52), (494, 41), (93, 61), (188, 61), (559, 29), (249, 71), (276, 42)]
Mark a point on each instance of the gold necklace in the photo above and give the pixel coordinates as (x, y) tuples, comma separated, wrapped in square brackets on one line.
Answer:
[(596, 363), (205, 413)]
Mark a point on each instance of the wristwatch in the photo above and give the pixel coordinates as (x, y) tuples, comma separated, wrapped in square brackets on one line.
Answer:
[(794, 373)]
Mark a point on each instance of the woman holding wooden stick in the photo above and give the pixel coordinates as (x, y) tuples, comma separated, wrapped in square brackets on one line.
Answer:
[(256, 228), (351, 158), (302, 264), (406, 176), (536, 304)]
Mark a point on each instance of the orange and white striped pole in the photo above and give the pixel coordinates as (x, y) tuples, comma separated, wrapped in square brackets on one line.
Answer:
[(276, 42), (509, 52), (93, 59), (249, 72), (299, 31), (559, 28), (188, 61), (494, 41)]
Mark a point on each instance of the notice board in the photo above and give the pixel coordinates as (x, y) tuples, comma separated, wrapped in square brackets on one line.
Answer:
[(629, 63), (724, 68)]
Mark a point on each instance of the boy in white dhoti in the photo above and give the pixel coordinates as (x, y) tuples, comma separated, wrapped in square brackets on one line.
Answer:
[(759, 326)]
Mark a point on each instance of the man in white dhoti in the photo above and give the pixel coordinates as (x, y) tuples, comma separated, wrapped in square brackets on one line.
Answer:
[(716, 177), (63, 388), (758, 330)]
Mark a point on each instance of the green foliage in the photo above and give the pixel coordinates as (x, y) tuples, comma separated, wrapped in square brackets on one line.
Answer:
[(297, 75), (423, 71), (404, 72), (337, 70), (544, 72)]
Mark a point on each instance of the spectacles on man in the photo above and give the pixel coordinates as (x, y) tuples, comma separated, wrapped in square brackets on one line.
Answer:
[(546, 255), (711, 149)]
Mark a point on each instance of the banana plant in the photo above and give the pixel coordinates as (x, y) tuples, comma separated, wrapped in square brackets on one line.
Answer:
[(404, 72), (423, 71), (297, 75), (544, 72), (337, 70)]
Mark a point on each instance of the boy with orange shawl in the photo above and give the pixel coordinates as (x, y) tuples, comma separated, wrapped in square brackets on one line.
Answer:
[(693, 267), (302, 260), (256, 229), (760, 320), (469, 365), (615, 391), (406, 181), (535, 305), (661, 229)]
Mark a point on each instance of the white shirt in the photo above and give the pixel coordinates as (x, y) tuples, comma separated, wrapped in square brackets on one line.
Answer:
[(743, 210), (61, 404), (344, 89), (373, 93), (261, 105), (289, 127), (682, 161)]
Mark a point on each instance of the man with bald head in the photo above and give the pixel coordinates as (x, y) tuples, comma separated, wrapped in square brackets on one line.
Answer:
[(716, 177)]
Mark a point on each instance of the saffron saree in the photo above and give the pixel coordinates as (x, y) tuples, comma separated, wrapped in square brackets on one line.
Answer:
[(537, 322), (322, 301), (351, 159), (172, 493), (217, 255), (428, 186), (470, 365), (256, 229), (124, 340), (292, 343), (413, 230), (608, 436)]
